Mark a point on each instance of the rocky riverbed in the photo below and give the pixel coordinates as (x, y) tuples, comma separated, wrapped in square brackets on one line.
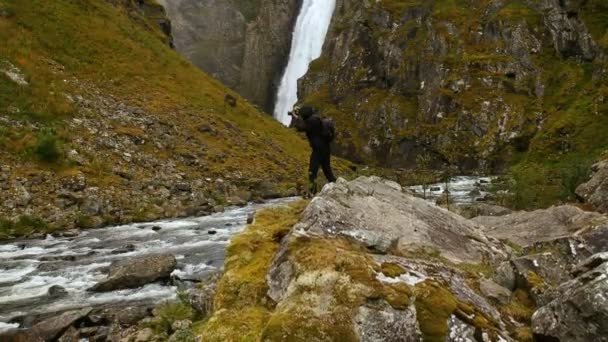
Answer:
[(55, 274)]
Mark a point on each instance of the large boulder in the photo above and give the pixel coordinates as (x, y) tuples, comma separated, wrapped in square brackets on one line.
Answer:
[(52, 328), (579, 310), (527, 228), (381, 216), (137, 272), (370, 262), (595, 191)]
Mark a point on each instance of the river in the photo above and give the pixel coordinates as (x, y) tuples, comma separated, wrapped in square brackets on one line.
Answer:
[(28, 268)]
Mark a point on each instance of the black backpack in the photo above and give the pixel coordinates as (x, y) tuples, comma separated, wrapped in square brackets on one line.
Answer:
[(328, 129)]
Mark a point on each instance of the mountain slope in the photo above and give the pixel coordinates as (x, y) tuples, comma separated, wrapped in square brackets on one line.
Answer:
[(102, 122)]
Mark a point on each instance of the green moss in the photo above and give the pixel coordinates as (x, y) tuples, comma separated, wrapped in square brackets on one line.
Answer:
[(25, 225)]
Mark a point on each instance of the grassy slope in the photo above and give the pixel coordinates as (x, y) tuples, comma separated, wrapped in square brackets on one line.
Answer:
[(123, 56)]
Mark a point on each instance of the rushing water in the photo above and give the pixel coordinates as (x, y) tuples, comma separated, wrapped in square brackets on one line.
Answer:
[(307, 43), (462, 189), (29, 268)]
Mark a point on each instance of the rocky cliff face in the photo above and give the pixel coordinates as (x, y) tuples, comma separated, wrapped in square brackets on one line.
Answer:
[(243, 44), (471, 83)]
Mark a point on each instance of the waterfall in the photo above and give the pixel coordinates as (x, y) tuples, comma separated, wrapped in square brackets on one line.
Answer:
[(306, 45)]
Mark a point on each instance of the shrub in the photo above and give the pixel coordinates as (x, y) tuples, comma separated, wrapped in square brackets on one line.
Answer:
[(47, 148)]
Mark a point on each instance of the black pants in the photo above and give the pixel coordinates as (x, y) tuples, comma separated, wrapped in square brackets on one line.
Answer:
[(320, 157)]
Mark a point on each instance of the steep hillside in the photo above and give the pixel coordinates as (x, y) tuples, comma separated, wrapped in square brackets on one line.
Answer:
[(101, 122), (479, 84), (243, 43)]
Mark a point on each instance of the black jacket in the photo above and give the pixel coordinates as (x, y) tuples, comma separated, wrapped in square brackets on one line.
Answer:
[(313, 126)]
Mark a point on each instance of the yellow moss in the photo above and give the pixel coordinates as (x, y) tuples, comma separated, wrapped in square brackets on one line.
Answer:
[(244, 325), (520, 308), (392, 270), (434, 306), (249, 256), (240, 301), (523, 334), (536, 281)]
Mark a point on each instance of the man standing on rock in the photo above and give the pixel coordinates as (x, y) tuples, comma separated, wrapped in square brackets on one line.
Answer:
[(320, 134)]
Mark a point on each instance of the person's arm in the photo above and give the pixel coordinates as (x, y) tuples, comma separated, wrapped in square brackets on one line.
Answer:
[(298, 122)]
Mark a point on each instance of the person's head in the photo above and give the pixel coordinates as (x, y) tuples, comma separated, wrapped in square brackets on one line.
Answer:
[(306, 111)]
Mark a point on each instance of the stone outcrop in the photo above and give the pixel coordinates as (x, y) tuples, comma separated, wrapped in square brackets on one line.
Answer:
[(579, 310), (379, 215), (243, 44), (527, 228), (595, 191), (136, 272)]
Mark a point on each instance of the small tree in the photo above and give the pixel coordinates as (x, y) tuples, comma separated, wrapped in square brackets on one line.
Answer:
[(423, 164)]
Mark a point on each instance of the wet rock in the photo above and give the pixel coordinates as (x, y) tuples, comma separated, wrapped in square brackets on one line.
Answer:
[(56, 291), (212, 232), (595, 191), (137, 272), (70, 233), (156, 228), (494, 291), (527, 228), (52, 328), (579, 310), (126, 249), (250, 218), (481, 209)]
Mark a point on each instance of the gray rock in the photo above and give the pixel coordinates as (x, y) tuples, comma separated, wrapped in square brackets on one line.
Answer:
[(382, 323), (380, 215), (71, 335), (505, 276), (579, 310), (74, 183), (201, 298), (56, 291), (52, 328), (527, 228), (181, 325), (595, 191), (137, 272), (494, 291), (144, 335)]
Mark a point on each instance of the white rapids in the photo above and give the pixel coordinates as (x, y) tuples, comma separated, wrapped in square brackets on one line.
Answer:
[(28, 268), (463, 189), (307, 44)]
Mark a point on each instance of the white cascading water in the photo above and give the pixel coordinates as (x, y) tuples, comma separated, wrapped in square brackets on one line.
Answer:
[(307, 44)]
